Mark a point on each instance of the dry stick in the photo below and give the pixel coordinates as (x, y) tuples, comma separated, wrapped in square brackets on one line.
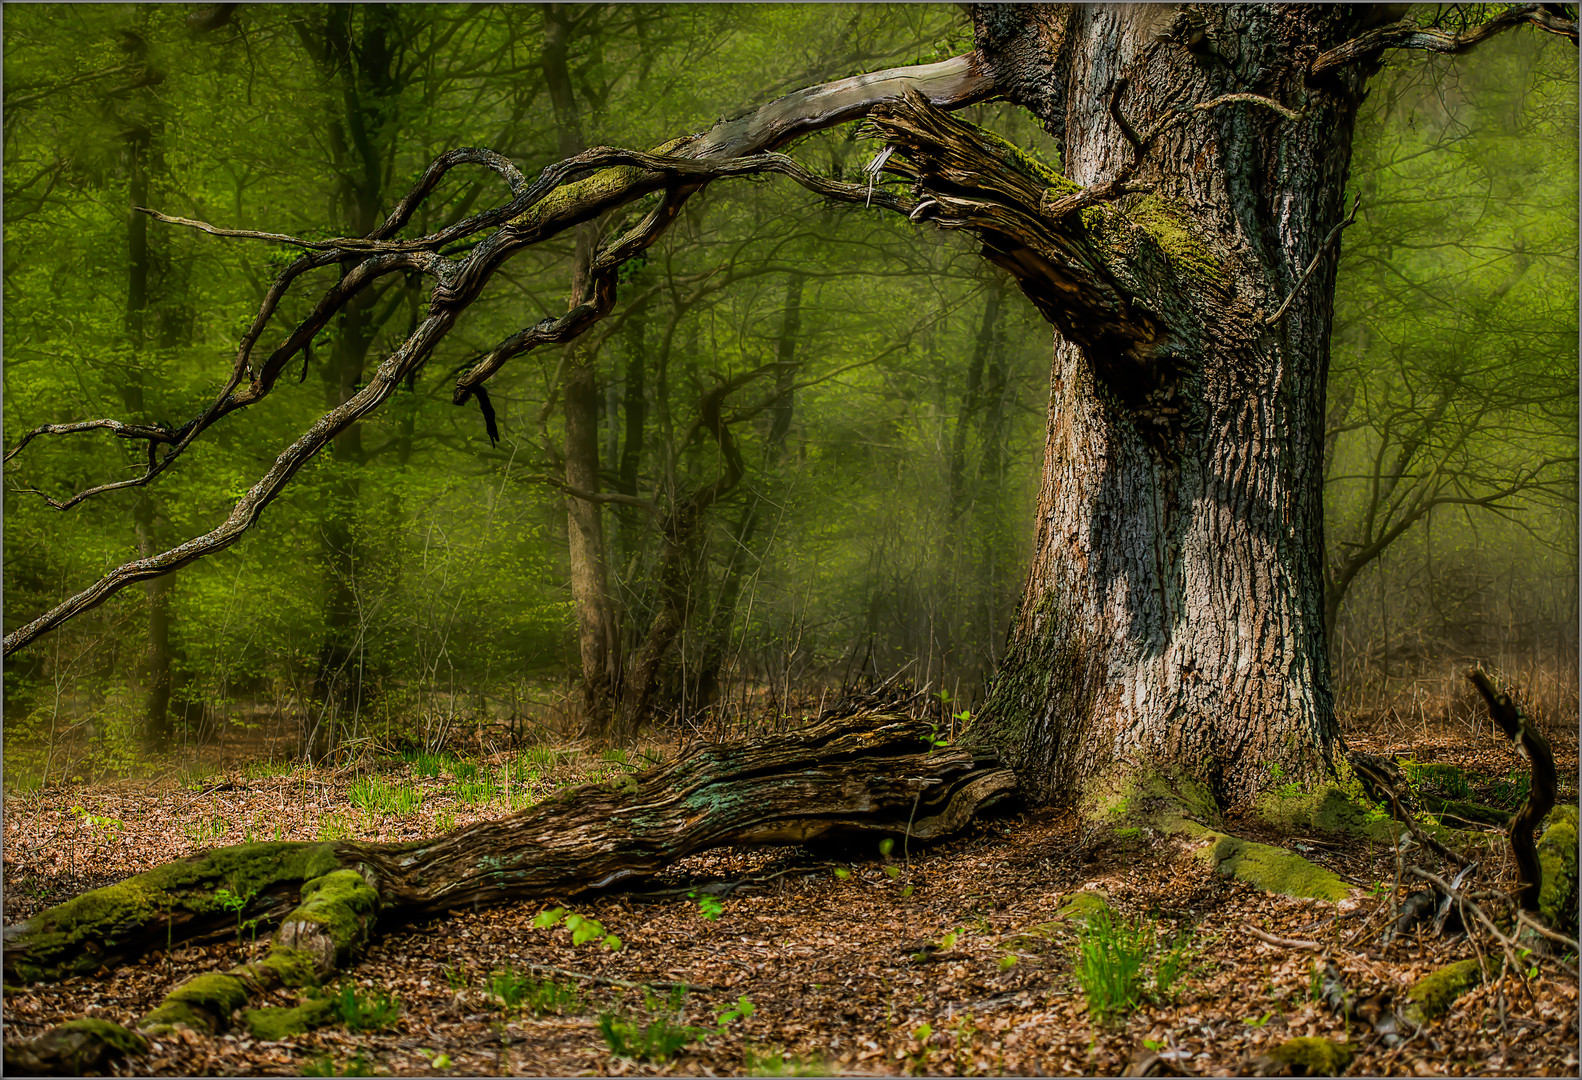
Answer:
[(1561, 939), (1468, 904), (1282, 942), (1405, 816)]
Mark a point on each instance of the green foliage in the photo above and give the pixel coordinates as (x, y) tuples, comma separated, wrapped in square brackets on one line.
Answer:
[(207, 830), (360, 1013), (474, 792), (657, 1041), (1511, 792), (334, 827), (1447, 780), (778, 1063), (425, 764), (583, 929), (709, 907), (262, 770), (537, 996), (106, 826), (1115, 959)]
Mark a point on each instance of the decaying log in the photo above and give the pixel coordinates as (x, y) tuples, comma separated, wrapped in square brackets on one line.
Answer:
[(863, 774), (869, 773)]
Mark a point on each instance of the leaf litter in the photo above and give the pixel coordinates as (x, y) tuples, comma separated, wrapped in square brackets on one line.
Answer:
[(949, 961)]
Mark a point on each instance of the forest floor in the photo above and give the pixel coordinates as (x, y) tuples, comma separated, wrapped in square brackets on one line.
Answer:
[(854, 962)]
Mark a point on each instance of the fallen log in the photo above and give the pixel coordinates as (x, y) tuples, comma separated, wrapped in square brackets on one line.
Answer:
[(864, 774)]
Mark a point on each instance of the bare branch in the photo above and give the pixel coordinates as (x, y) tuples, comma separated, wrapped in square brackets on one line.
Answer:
[(544, 209), (1406, 34), (1334, 234)]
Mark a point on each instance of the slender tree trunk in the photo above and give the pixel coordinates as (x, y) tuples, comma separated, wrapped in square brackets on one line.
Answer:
[(972, 397), (359, 49), (1173, 616), (157, 728), (598, 628)]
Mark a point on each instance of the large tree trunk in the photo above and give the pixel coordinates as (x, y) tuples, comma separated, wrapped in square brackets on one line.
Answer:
[(1173, 615)]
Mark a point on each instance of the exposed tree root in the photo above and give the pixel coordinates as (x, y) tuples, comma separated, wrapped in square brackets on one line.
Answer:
[(869, 773)]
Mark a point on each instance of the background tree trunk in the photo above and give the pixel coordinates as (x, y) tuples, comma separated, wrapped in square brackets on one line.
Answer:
[(598, 630), (1173, 615)]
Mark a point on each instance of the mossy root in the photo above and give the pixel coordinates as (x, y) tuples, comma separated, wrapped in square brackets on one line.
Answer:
[(330, 923)]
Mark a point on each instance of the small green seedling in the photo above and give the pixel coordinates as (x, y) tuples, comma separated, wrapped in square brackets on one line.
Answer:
[(709, 907), (583, 929)]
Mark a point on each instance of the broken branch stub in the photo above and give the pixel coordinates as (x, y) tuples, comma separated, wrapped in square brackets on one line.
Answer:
[(1521, 730)]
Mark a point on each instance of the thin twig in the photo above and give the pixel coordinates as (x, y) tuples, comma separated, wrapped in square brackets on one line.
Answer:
[(1322, 248), (1282, 942)]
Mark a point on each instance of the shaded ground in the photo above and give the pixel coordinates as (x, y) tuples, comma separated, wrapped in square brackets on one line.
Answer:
[(845, 955)]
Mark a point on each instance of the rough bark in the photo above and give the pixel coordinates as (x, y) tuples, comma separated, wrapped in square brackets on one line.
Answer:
[(1174, 611), (869, 773)]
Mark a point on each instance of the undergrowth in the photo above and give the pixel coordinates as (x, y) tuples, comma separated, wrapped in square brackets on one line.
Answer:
[(1120, 964)]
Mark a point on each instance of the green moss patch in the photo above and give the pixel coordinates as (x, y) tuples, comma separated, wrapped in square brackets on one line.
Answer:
[(1152, 800), (1270, 868), (277, 1022), (75, 1048), (1308, 1056), (1328, 809), (78, 936), (332, 920), (203, 1003), (1176, 237), (1430, 996), (1557, 858)]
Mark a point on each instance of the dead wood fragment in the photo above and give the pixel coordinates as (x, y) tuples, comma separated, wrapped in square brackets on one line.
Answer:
[(1532, 745), (1387, 782), (1153, 1064), (1282, 942)]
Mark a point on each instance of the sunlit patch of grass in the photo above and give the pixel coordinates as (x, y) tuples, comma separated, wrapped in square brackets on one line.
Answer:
[(263, 770), (334, 827), (425, 764), (364, 1014), (471, 792), (375, 795), (545, 757), (196, 774), (779, 1063), (1113, 961), (513, 991)]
